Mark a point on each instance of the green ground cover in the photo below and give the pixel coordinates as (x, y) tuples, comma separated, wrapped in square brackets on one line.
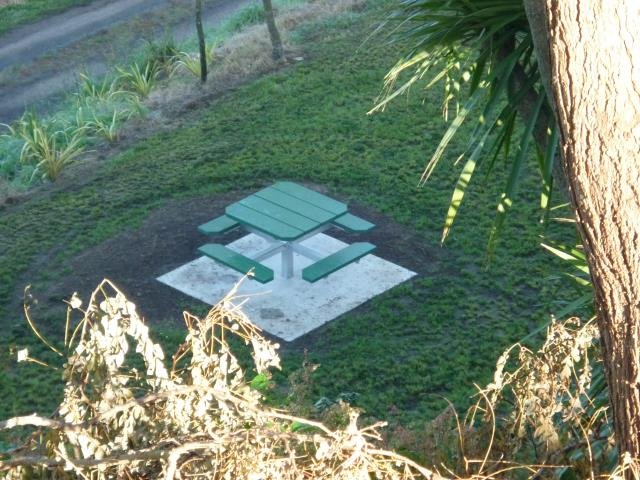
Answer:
[(129, 44), (15, 15), (415, 345)]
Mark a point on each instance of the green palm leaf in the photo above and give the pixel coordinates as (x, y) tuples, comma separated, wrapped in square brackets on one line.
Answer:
[(506, 200), (484, 49)]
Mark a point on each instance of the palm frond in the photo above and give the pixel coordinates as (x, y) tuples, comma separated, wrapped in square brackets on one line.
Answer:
[(483, 54), (506, 199)]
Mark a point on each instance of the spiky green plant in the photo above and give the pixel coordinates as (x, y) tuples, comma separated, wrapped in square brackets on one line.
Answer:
[(575, 259), (190, 62), (91, 90), (108, 127), (161, 54), (138, 79), (51, 149), (482, 52)]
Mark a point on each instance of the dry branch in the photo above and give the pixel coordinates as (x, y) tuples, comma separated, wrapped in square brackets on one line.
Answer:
[(200, 421)]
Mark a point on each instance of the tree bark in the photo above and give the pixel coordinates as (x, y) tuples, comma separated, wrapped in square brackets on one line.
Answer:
[(201, 42), (274, 34), (593, 73)]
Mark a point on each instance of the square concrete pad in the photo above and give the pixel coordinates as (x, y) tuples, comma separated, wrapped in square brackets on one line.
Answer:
[(289, 308)]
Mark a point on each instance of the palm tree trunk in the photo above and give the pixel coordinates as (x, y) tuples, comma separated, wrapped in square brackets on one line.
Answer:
[(589, 54)]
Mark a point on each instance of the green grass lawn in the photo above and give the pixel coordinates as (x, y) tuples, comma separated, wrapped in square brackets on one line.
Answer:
[(415, 345), (15, 15)]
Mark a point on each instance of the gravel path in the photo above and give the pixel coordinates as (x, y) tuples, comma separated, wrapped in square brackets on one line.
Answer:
[(50, 36)]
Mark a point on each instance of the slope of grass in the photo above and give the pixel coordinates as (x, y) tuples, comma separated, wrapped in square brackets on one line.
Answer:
[(129, 42), (17, 14), (416, 344)]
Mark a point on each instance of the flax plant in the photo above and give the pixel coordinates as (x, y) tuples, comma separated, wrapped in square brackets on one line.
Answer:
[(91, 91), (160, 55), (138, 79), (109, 127), (51, 149), (190, 62), (89, 88)]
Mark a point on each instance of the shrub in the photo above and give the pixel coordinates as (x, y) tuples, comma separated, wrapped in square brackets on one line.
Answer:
[(198, 418), (91, 89), (51, 149), (160, 55), (10, 147), (191, 61), (544, 415), (138, 79), (108, 128), (250, 15)]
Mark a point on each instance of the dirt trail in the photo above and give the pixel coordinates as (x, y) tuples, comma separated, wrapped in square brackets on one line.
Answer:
[(31, 41), (57, 34)]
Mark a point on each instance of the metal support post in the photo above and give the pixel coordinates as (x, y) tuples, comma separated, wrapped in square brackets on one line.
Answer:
[(287, 261)]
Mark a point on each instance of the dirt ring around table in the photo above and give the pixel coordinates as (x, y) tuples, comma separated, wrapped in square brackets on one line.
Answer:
[(169, 238)]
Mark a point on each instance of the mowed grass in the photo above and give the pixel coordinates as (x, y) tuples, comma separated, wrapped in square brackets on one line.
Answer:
[(414, 346), (19, 13)]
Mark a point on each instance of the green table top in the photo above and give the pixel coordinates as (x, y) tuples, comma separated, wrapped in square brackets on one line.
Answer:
[(286, 210)]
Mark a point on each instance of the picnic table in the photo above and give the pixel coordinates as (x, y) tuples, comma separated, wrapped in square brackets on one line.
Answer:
[(285, 214)]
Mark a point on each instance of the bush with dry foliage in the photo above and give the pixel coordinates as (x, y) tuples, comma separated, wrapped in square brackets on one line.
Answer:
[(544, 415), (544, 408), (198, 418)]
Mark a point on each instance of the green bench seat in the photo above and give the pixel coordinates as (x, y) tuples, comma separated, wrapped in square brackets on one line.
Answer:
[(221, 224), (352, 223), (218, 225), (336, 261), (237, 261)]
